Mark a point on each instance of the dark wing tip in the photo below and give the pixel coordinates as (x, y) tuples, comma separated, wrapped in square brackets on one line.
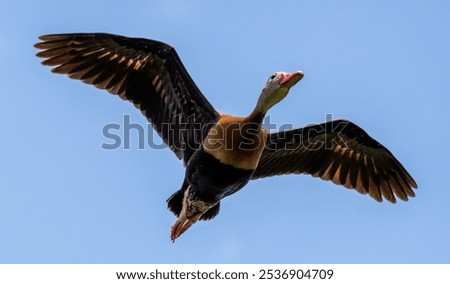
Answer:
[(412, 182), (48, 37), (49, 42), (41, 44), (51, 38)]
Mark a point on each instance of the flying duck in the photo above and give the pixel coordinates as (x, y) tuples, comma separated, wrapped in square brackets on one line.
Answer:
[(221, 152)]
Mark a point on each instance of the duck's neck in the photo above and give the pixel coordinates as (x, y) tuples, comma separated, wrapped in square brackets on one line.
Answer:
[(256, 116), (255, 119), (259, 112)]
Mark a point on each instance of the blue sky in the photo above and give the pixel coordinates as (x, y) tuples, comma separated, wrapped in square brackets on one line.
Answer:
[(383, 65)]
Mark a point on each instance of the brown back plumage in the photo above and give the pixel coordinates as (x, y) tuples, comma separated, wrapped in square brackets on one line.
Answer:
[(236, 142)]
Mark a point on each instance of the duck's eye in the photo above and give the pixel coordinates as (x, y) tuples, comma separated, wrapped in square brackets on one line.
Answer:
[(273, 77)]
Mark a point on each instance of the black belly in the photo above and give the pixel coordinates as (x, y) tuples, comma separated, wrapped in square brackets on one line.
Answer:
[(213, 180)]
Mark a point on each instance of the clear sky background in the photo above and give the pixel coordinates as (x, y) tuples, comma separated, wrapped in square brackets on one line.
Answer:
[(384, 65)]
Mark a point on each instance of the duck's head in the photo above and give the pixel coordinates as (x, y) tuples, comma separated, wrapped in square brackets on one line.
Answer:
[(276, 88)]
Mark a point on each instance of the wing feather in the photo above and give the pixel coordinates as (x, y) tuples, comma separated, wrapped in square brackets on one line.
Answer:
[(147, 73), (339, 151)]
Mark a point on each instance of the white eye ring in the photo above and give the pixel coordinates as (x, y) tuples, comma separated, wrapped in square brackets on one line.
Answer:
[(273, 76)]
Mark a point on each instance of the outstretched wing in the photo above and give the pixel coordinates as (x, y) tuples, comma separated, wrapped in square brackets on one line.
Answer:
[(146, 72), (339, 151)]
